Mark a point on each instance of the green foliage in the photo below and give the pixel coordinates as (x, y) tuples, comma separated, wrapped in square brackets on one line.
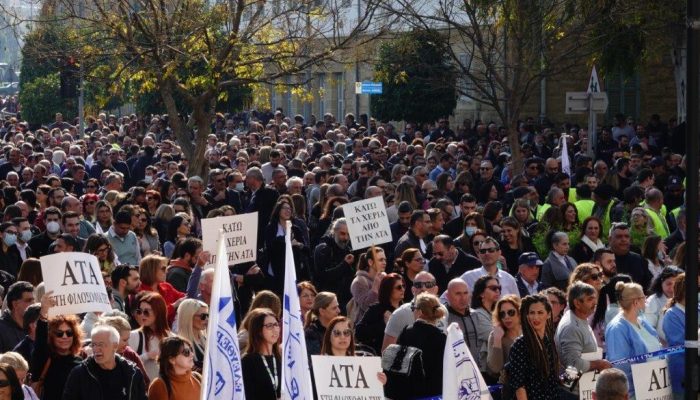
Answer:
[(40, 100), (419, 82)]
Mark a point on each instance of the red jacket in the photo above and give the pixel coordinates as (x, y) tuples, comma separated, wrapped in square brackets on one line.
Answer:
[(170, 295)]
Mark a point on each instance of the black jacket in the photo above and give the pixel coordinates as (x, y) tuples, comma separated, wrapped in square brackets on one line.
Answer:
[(263, 201), (431, 341), (331, 272), (635, 266), (370, 330), (83, 383), (10, 261), (407, 241), (10, 333), (232, 198), (464, 262), (58, 370)]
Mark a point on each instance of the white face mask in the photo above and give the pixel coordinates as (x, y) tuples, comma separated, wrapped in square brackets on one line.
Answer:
[(148, 178), (53, 227), (239, 186)]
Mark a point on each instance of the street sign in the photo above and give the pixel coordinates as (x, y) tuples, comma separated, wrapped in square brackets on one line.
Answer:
[(368, 87), (578, 102), (593, 83)]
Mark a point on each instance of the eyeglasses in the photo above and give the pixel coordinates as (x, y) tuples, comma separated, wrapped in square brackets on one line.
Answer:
[(494, 288), (102, 249), (427, 285), (489, 250), (271, 325), (145, 313), (597, 276), (59, 333), (399, 287), (187, 352), (203, 316), (510, 313), (4, 383), (346, 333)]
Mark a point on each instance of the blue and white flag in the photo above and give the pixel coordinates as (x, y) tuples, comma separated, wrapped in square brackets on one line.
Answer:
[(461, 376), (222, 377), (296, 376), (565, 162)]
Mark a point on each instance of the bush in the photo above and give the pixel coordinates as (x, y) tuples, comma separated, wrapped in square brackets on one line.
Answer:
[(41, 101)]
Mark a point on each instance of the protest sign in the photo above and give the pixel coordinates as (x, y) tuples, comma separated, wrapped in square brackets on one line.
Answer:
[(652, 381), (348, 377), (76, 282), (240, 235), (586, 385), (461, 376), (368, 224)]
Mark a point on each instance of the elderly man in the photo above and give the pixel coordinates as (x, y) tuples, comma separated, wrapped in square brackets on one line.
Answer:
[(334, 262), (574, 336), (105, 375), (559, 265), (458, 311), (529, 265), (403, 316)]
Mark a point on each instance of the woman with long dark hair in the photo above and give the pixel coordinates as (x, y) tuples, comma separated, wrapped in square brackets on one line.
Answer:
[(151, 315), (262, 362), (589, 240), (10, 386), (175, 380), (275, 253), (661, 293), (180, 227), (409, 264), (533, 362), (370, 330), (513, 243)]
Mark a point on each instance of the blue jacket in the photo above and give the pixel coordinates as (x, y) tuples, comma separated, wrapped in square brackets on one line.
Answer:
[(622, 341), (674, 328)]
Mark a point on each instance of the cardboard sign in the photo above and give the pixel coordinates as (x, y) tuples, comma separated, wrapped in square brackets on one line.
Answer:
[(240, 235), (368, 224), (586, 385), (76, 282), (348, 377), (652, 380)]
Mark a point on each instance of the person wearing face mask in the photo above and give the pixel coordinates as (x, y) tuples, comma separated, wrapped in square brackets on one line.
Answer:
[(10, 260), (41, 242), (24, 229)]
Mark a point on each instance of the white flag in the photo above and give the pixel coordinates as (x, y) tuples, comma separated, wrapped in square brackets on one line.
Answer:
[(222, 377), (296, 377), (461, 376), (565, 163)]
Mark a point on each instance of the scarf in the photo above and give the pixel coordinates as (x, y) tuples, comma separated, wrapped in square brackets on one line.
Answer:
[(592, 245)]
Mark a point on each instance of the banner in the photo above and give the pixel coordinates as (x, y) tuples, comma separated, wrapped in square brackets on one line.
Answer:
[(222, 377), (76, 282), (296, 377), (368, 224), (651, 381), (240, 236), (461, 376), (354, 378)]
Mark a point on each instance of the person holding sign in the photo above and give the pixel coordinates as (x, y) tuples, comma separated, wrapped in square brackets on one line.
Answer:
[(627, 335), (365, 286), (56, 349), (262, 362)]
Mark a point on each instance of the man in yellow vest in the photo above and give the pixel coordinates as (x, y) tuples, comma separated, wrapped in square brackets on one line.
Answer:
[(604, 202), (585, 204), (555, 198), (654, 200)]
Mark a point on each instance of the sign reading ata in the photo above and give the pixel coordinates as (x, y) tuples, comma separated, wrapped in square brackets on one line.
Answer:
[(76, 282), (240, 236), (339, 377), (368, 224)]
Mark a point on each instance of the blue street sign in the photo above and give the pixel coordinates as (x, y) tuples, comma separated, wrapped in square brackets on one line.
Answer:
[(371, 88)]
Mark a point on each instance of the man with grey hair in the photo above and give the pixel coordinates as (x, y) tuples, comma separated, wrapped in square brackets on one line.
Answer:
[(574, 336), (373, 191), (295, 185), (558, 265), (611, 384), (105, 374), (334, 261)]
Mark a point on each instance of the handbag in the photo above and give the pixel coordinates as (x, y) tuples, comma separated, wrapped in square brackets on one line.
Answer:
[(38, 386), (403, 360)]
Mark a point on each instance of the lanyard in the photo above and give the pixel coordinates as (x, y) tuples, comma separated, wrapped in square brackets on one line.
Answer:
[(271, 371)]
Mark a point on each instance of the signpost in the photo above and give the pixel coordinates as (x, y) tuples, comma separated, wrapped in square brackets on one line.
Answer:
[(369, 88), (592, 101)]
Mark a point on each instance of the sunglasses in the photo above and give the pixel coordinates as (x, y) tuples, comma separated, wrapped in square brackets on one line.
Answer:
[(399, 287), (494, 288), (597, 276), (145, 313), (187, 352), (271, 325), (346, 333), (427, 285), (489, 250), (59, 333), (510, 313), (203, 316)]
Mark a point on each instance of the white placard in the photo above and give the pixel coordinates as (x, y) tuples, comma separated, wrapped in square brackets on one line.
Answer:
[(240, 234), (586, 385), (76, 282), (339, 377), (652, 381), (368, 224)]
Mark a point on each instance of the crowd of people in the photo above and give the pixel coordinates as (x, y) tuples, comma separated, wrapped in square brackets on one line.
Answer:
[(541, 270)]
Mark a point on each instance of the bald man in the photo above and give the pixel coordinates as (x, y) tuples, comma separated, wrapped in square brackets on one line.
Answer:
[(475, 326)]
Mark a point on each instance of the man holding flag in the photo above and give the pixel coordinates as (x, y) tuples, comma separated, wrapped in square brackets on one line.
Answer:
[(296, 376), (222, 377)]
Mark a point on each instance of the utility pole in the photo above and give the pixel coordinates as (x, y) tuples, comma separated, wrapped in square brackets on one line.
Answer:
[(81, 96), (692, 372)]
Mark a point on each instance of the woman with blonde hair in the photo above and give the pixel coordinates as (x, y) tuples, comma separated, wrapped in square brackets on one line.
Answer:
[(192, 319), (588, 273), (325, 308), (506, 328), (21, 367), (628, 335)]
